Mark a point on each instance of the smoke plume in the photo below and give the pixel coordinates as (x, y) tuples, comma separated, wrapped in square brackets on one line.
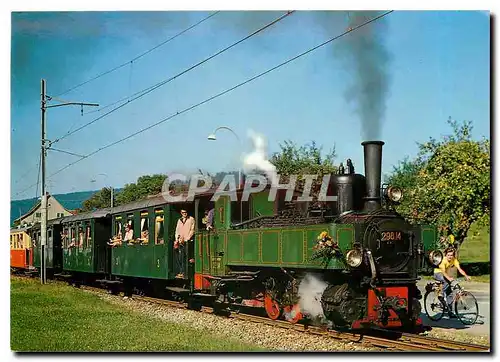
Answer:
[(311, 289), (258, 158), (367, 60)]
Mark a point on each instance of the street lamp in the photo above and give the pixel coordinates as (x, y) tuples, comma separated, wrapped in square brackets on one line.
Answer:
[(212, 137), (110, 187)]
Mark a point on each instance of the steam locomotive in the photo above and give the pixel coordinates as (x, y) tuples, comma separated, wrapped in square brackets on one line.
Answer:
[(260, 252)]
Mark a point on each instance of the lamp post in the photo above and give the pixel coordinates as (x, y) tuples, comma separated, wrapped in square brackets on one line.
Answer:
[(212, 137), (110, 187)]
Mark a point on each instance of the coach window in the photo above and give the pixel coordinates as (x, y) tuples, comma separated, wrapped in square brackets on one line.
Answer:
[(64, 237), (80, 236), (159, 227), (11, 241), (239, 211), (88, 236), (49, 238), (144, 227), (130, 223), (118, 228), (72, 236)]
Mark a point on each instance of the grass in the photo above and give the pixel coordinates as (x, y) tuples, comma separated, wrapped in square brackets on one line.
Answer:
[(476, 246), (476, 278), (56, 317), (481, 278)]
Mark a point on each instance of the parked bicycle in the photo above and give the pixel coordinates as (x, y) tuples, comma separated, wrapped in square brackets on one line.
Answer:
[(464, 303)]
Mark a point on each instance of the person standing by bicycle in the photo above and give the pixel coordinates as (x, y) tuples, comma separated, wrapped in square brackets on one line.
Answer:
[(442, 274)]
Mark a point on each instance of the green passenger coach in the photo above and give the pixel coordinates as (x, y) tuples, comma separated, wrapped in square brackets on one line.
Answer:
[(83, 239)]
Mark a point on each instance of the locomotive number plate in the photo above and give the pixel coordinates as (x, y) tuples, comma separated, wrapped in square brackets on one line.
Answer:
[(391, 235)]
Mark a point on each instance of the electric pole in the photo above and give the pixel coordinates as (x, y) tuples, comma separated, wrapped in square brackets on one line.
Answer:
[(43, 226), (46, 146)]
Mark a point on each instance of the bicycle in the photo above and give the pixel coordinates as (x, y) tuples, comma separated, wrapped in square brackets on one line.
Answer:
[(466, 308)]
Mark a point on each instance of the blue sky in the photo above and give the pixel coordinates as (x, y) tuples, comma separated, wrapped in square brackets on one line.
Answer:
[(439, 67)]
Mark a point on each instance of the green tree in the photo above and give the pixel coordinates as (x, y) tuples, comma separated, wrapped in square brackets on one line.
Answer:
[(304, 160), (405, 174), (449, 182), (145, 186), (307, 159), (99, 200)]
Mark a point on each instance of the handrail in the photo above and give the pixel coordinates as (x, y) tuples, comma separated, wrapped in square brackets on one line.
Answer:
[(252, 220)]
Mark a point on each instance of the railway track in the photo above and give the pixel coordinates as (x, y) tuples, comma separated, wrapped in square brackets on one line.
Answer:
[(406, 342)]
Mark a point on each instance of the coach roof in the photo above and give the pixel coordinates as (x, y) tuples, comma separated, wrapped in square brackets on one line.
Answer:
[(88, 215)]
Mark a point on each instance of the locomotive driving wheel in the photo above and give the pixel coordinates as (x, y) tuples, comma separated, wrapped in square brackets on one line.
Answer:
[(272, 307), (292, 313)]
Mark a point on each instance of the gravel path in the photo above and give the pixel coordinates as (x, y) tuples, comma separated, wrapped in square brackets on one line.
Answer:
[(268, 337), (459, 336)]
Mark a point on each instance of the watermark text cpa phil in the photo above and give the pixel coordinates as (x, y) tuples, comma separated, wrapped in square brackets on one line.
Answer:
[(199, 184)]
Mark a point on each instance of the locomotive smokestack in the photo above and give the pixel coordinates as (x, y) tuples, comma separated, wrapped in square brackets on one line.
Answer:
[(373, 170)]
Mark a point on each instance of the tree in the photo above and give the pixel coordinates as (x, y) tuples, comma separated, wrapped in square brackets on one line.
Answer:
[(307, 159), (145, 186), (304, 160), (99, 200), (449, 182), (405, 174)]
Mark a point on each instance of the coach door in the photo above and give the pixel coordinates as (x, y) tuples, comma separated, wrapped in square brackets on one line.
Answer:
[(97, 234), (161, 241), (222, 219), (169, 250)]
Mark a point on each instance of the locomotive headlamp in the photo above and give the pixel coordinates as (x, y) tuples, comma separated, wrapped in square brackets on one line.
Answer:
[(435, 257), (354, 258), (395, 194)]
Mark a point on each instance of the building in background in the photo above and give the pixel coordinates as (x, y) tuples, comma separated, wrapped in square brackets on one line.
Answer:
[(54, 210)]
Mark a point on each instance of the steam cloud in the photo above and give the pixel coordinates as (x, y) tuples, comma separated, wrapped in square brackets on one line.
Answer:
[(258, 158), (367, 60), (311, 289)]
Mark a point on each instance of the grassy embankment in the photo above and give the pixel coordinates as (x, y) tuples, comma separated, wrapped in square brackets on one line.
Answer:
[(56, 317), (476, 246), (475, 249)]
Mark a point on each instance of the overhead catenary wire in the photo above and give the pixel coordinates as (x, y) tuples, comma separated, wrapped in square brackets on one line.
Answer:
[(139, 56), (66, 152), (148, 90), (37, 180), (225, 91), (27, 172)]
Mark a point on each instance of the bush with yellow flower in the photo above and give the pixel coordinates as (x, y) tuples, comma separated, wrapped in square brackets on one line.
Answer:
[(326, 248)]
